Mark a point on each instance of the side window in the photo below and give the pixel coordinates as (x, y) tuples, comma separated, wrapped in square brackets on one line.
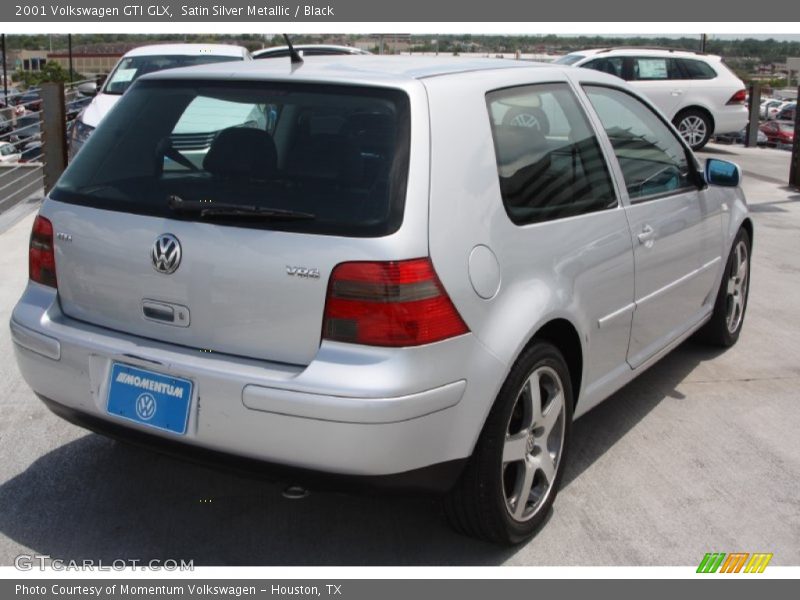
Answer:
[(697, 69), (548, 160), (652, 159), (655, 69), (612, 65)]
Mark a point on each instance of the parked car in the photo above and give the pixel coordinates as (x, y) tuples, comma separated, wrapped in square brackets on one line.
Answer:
[(740, 137), (8, 99), (9, 153), (6, 127), (32, 152), (30, 101), (779, 133), (137, 62), (768, 105), (775, 108), (418, 273), (787, 112), (27, 129), (308, 50), (697, 92), (75, 104)]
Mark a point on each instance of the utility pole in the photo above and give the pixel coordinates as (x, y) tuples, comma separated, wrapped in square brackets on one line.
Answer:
[(703, 40), (5, 73), (69, 48), (794, 169)]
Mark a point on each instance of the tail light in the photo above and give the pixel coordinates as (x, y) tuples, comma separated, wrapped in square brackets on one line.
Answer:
[(41, 253), (738, 98), (398, 303)]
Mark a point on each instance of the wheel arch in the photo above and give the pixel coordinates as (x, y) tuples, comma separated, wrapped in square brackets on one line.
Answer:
[(562, 334), (747, 225)]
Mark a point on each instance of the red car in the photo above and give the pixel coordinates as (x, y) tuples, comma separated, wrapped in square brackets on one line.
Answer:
[(778, 132)]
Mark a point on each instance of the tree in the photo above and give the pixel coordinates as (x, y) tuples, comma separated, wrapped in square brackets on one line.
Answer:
[(52, 71)]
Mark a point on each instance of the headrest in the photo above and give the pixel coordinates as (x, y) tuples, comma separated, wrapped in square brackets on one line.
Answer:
[(242, 152)]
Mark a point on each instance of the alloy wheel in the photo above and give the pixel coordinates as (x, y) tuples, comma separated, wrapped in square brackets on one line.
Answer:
[(736, 291), (693, 129), (534, 443)]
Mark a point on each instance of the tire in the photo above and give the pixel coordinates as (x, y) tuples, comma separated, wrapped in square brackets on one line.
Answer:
[(731, 304), (520, 448), (694, 126), (532, 117)]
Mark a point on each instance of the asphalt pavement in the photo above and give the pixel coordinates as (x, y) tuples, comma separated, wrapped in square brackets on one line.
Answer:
[(699, 454)]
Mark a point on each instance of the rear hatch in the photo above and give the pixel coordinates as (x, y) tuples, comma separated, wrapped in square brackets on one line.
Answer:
[(211, 214)]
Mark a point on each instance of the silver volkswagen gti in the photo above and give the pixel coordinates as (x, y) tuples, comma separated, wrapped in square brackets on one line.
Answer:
[(401, 269)]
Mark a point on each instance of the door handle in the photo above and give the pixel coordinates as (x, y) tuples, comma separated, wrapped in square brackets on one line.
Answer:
[(647, 235), (677, 92)]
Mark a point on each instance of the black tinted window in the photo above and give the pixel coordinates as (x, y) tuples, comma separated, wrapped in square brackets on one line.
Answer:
[(611, 65), (339, 153), (548, 159), (697, 69), (652, 159)]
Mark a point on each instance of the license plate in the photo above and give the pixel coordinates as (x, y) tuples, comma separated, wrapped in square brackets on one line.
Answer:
[(149, 398)]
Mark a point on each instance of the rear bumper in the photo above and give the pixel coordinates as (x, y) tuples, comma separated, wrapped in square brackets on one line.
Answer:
[(353, 411), (730, 119), (435, 479)]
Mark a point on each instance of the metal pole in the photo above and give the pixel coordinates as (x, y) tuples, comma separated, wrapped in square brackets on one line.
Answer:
[(703, 39), (5, 73), (54, 132), (69, 45), (794, 170), (751, 132)]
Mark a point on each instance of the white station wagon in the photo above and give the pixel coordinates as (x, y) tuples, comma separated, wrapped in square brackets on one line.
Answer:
[(696, 91), (410, 271)]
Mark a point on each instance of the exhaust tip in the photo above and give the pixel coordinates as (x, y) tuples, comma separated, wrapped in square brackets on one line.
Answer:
[(295, 492)]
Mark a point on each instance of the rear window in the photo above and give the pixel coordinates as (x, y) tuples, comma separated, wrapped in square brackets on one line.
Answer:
[(568, 59), (696, 69), (337, 154), (131, 68)]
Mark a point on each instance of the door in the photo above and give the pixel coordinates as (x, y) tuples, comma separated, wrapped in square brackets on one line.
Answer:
[(659, 78), (676, 226)]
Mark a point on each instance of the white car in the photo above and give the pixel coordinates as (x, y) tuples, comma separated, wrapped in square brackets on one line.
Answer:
[(697, 92), (9, 153), (769, 106), (138, 62), (774, 109)]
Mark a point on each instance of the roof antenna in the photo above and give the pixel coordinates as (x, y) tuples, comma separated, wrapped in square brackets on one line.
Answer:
[(294, 56)]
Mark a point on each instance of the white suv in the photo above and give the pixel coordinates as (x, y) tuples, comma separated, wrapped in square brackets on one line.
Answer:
[(138, 62), (697, 92)]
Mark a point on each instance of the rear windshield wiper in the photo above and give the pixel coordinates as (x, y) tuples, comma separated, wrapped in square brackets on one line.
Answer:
[(207, 209)]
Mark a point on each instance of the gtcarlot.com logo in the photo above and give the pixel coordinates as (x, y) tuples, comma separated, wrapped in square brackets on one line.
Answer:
[(736, 562), (42, 562)]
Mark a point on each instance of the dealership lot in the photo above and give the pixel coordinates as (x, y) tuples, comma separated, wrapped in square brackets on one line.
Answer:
[(699, 454)]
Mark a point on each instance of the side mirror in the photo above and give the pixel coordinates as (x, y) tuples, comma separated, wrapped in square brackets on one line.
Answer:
[(88, 89), (722, 173)]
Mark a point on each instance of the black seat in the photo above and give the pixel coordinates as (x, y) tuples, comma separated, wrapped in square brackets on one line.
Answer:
[(326, 157), (242, 152)]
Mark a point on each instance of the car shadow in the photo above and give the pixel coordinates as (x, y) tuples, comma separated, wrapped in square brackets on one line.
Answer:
[(99, 499)]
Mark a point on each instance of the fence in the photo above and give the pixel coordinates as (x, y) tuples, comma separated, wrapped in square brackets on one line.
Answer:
[(34, 126)]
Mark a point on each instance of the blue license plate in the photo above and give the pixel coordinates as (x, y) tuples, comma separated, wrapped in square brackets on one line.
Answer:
[(149, 398)]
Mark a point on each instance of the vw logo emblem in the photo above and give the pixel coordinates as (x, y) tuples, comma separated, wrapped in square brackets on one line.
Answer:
[(166, 254), (145, 406)]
